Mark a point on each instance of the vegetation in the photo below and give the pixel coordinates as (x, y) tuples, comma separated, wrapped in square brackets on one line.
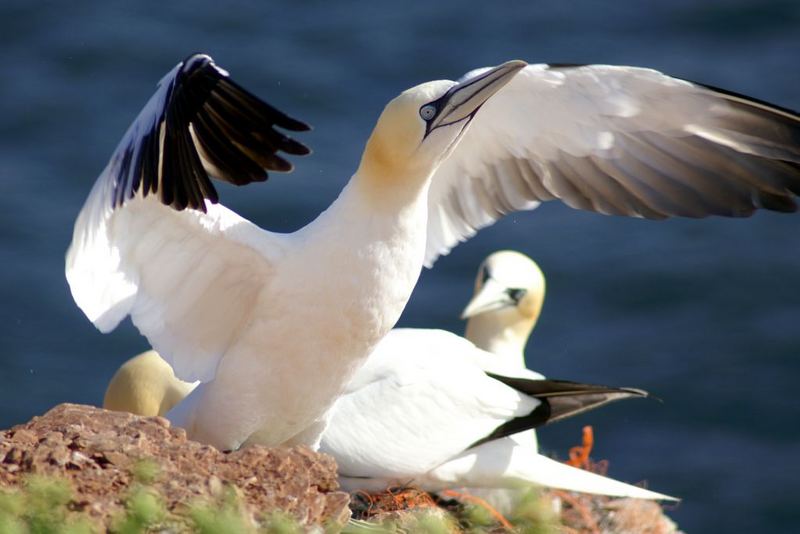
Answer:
[(40, 507), (46, 506)]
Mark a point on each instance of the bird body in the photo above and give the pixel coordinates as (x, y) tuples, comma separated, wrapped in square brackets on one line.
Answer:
[(421, 396), (245, 311), (367, 285), (432, 410)]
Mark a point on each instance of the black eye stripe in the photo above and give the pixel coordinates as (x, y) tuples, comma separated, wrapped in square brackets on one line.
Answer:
[(485, 275), (516, 293)]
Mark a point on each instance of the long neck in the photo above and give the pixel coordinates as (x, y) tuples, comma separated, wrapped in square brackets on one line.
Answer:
[(370, 243), (504, 333)]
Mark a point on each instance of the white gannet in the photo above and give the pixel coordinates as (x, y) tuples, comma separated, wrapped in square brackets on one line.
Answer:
[(506, 303), (425, 397), (507, 299), (432, 410), (247, 312)]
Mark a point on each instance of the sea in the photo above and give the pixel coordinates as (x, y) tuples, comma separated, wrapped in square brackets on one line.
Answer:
[(703, 314)]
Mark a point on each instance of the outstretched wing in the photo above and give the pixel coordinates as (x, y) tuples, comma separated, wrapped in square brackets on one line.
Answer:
[(615, 140), (199, 122), (189, 278)]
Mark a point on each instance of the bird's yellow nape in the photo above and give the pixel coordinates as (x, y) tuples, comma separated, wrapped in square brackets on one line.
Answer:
[(393, 149)]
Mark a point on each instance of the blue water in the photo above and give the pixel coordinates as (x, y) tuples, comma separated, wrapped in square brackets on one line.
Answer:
[(704, 314)]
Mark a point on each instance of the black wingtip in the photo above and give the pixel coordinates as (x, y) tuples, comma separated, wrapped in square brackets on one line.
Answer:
[(559, 399), (196, 60), (210, 126), (295, 125)]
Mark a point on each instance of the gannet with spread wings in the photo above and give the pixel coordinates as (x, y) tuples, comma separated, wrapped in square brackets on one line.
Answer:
[(248, 312)]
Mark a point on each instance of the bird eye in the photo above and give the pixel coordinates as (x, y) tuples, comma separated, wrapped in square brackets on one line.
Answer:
[(516, 294), (427, 111)]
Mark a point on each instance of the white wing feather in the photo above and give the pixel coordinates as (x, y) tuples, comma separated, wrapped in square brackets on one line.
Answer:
[(425, 396), (189, 278), (503, 463), (418, 384), (616, 140)]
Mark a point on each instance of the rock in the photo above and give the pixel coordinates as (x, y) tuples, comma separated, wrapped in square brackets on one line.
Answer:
[(98, 450), (101, 454)]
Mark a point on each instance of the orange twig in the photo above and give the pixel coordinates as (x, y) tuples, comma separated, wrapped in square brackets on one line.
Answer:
[(579, 455)]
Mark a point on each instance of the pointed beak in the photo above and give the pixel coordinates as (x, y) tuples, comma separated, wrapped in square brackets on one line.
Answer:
[(465, 98), (492, 296)]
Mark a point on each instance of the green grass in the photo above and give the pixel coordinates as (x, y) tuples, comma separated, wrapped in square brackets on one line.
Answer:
[(40, 507), (226, 515), (46, 506)]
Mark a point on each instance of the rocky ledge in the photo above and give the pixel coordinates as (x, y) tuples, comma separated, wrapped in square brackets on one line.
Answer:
[(81, 469), (100, 452)]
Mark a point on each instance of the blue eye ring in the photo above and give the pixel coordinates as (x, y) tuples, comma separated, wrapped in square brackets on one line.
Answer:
[(427, 112)]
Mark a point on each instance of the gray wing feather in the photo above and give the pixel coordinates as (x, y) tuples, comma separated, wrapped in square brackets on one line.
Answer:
[(617, 141)]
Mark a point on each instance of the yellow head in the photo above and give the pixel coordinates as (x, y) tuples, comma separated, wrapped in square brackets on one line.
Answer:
[(419, 128), (508, 298)]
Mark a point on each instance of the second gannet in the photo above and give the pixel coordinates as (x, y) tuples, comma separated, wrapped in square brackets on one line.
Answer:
[(247, 312), (432, 410)]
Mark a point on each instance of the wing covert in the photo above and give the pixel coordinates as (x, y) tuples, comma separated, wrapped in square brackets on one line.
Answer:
[(614, 140)]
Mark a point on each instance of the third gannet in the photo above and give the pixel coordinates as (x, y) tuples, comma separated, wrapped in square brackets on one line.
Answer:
[(145, 385), (508, 298), (248, 312)]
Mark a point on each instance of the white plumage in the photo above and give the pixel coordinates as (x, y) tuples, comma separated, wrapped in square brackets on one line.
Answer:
[(430, 409), (247, 311)]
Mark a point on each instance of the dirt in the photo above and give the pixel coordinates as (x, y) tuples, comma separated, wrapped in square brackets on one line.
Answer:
[(98, 451)]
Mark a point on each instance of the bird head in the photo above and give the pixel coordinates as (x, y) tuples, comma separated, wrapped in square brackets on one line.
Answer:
[(508, 297), (419, 128)]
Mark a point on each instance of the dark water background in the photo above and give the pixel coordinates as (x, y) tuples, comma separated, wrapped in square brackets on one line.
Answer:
[(704, 314)]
